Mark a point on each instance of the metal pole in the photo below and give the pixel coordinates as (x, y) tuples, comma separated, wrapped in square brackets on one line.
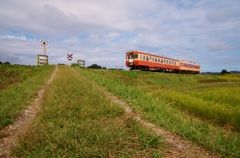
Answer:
[(44, 48)]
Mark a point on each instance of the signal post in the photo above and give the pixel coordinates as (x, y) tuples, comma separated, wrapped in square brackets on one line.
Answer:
[(81, 63), (43, 59)]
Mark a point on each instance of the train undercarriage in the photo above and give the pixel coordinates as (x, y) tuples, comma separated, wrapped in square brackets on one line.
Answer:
[(157, 69)]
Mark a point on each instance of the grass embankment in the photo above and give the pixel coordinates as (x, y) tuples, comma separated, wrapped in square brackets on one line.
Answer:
[(172, 101), (77, 120), (18, 87)]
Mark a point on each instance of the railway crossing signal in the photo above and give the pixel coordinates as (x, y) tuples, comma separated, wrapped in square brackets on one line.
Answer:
[(44, 45), (43, 59), (70, 57)]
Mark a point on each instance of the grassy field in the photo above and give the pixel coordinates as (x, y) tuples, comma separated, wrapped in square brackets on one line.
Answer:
[(18, 87), (181, 103), (77, 120), (217, 102)]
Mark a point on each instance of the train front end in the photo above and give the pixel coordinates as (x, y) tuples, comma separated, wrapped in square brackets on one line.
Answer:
[(130, 59)]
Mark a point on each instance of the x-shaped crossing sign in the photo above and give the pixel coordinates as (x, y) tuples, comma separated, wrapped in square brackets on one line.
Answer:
[(70, 56)]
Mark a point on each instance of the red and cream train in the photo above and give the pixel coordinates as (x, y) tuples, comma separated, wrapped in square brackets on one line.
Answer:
[(146, 61)]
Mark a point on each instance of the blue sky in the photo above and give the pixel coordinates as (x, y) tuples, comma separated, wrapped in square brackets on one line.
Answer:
[(102, 31)]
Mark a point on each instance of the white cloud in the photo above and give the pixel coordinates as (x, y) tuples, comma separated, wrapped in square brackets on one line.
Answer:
[(9, 57), (102, 31), (12, 37)]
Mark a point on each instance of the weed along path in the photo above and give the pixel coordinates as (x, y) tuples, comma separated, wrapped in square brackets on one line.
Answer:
[(177, 146), (20, 125)]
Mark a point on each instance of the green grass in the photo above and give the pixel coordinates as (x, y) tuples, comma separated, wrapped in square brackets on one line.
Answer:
[(170, 100), (17, 95), (231, 77), (77, 120), (13, 74)]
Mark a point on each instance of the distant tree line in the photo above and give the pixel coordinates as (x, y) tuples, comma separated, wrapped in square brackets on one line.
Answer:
[(4, 62), (225, 72), (95, 66)]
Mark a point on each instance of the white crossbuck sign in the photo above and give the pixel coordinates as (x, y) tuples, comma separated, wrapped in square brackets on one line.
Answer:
[(70, 57)]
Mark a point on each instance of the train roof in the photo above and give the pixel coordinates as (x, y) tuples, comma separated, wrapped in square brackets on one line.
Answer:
[(161, 56)]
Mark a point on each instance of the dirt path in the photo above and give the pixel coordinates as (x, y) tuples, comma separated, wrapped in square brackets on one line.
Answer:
[(21, 123), (179, 147)]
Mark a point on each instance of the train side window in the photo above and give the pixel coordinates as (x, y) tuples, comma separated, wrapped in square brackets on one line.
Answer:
[(144, 57), (161, 60), (147, 58), (155, 59), (135, 56), (152, 58), (141, 57)]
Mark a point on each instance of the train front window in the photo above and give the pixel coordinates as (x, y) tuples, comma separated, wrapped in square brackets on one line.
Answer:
[(127, 56)]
